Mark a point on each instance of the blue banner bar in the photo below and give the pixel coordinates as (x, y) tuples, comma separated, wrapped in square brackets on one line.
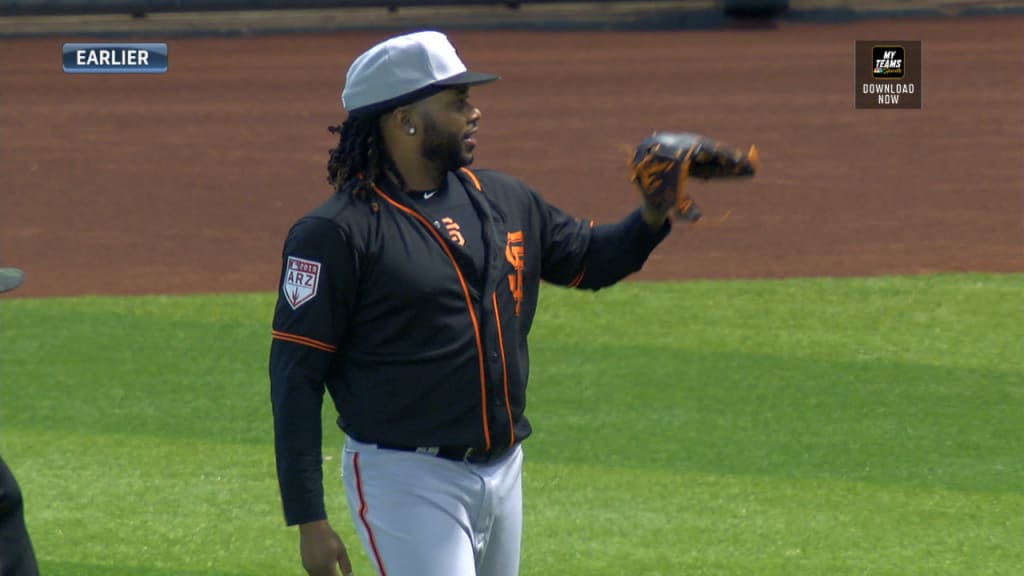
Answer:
[(111, 58)]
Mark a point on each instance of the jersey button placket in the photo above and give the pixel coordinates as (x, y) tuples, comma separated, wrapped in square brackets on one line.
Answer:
[(495, 360)]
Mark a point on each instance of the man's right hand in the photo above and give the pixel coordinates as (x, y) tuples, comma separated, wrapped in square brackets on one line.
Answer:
[(322, 550)]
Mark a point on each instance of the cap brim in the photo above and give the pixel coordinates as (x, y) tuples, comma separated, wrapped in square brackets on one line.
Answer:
[(10, 278), (468, 78)]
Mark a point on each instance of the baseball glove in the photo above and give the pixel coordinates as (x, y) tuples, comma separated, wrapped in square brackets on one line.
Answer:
[(664, 160)]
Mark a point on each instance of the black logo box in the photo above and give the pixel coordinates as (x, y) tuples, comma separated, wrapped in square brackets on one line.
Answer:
[(888, 61), (890, 86)]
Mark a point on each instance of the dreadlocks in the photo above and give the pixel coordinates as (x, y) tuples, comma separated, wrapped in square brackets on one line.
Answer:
[(360, 157)]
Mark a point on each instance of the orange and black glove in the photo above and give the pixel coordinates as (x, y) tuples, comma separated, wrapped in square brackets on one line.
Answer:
[(664, 160)]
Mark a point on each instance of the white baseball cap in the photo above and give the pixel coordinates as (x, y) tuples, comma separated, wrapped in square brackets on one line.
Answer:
[(404, 69)]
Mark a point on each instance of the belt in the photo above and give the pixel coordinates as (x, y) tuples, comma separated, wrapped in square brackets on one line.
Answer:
[(469, 454)]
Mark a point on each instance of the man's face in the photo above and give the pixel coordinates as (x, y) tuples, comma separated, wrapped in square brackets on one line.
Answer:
[(449, 123)]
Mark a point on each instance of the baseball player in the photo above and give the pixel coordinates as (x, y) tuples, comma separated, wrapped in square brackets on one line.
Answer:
[(16, 555), (408, 295)]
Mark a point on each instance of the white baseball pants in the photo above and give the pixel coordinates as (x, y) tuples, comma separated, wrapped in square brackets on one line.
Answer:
[(420, 515)]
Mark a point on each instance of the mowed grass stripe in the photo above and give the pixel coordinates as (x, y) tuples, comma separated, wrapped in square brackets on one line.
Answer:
[(178, 367), (596, 519), (867, 426), (965, 320), (102, 504), (890, 423), (210, 509)]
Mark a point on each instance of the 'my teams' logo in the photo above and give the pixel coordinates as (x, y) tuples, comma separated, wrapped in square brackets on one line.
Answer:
[(301, 278), (888, 61)]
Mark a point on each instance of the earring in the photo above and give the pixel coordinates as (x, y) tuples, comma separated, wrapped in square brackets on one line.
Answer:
[(412, 130)]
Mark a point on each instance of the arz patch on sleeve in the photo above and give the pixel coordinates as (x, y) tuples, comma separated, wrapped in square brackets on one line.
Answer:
[(300, 281)]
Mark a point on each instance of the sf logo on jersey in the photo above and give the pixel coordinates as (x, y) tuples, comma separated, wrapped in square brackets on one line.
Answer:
[(454, 231), (515, 254), (301, 278)]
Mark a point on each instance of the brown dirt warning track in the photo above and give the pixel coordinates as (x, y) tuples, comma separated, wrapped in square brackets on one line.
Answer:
[(188, 181)]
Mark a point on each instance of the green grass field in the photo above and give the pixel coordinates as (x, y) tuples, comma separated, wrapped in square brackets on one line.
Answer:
[(780, 428)]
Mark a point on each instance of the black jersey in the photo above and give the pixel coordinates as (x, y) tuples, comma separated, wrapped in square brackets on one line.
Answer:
[(417, 344)]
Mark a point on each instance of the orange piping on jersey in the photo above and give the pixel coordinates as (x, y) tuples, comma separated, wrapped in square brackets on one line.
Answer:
[(473, 178), (469, 307), (504, 371), (579, 277), (304, 341), (362, 514)]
